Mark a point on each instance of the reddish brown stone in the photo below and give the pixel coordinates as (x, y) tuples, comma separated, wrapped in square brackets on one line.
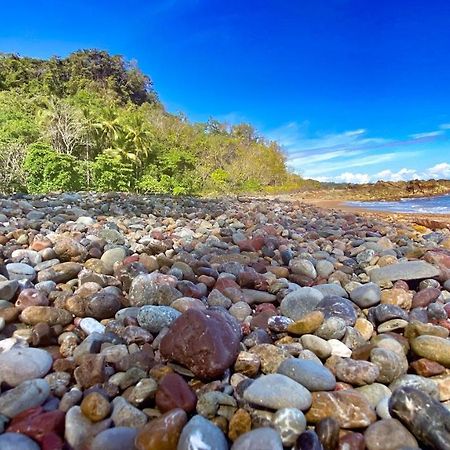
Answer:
[(162, 433), (206, 342), (351, 441), (173, 392), (44, 427), (400, 284), (427, 368), (265, 307), (260, 320), (424, 297), (31, 297), (91, 371), (225, 283)]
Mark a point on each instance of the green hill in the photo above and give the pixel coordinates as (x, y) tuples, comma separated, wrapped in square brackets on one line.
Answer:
[(93, 121)]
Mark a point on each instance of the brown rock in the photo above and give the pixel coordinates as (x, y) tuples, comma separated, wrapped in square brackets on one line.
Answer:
[(416, 328), (70, 250), (60, 273), (270, 356), (307, 324), (162, 433), (95, 407), (247, 363), (397, 297), (173, 392), (240, 423), (350, 440), (10, 314), (47, 314), (427, 368), (91, 371), (206, 342), (356, 372), (327, 431), (350, 408)]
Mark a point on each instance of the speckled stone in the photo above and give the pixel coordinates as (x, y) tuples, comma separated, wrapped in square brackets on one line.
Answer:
[(290, 423), (350, 408), (155, 318), (200, 430), (425, 417)]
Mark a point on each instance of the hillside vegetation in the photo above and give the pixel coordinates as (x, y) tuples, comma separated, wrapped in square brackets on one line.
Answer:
[(92, 121)]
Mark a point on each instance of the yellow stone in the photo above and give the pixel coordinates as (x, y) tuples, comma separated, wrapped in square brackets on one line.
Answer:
[(307, 324), (240, 423), (364, 327)]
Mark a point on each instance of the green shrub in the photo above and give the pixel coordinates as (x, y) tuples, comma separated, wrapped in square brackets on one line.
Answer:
[(111, 173), (48, 171)]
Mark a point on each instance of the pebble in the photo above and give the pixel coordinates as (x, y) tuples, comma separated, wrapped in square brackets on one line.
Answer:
[(432, 347), (289, 393), (155, 318), (118, 438), (311, 375), (207, 343), (162, 433), (242, 312), (20, 271), (15, 441), (26, 395), (388, 434), (79, 430), (366, 295), (8, 289), (125, 414), (423, 416), (410, 270), (300, 302), (290, 423), (261, 439), (350, 408), (95, 407), (200, 432)]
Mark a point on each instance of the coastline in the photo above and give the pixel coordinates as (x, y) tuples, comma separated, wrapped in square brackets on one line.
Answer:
[(423, 219)]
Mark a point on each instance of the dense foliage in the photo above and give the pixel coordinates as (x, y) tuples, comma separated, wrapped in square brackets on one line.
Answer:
[(92, 121)]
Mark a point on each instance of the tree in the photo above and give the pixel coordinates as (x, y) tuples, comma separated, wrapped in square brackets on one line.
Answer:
[(65, 127)]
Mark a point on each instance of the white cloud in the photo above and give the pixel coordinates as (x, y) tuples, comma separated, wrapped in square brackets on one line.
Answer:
[(441, 170), (349, 177), (402, 175), (445, 126)]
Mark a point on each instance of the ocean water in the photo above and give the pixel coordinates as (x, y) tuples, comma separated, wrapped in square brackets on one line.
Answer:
[(421, 205)]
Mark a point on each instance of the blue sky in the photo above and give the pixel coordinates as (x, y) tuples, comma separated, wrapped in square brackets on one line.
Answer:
[(354, 90)]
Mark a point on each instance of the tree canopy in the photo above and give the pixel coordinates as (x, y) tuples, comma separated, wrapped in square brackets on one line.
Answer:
[(93, 121)]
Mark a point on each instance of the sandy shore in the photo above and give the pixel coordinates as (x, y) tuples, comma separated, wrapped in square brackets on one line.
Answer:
[(434, 221)]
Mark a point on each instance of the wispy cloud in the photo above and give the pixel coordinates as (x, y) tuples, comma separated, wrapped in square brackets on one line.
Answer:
[(332, 155), (429, 134)]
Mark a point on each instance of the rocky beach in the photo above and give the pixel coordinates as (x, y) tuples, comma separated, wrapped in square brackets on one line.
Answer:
[(160, 323)]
